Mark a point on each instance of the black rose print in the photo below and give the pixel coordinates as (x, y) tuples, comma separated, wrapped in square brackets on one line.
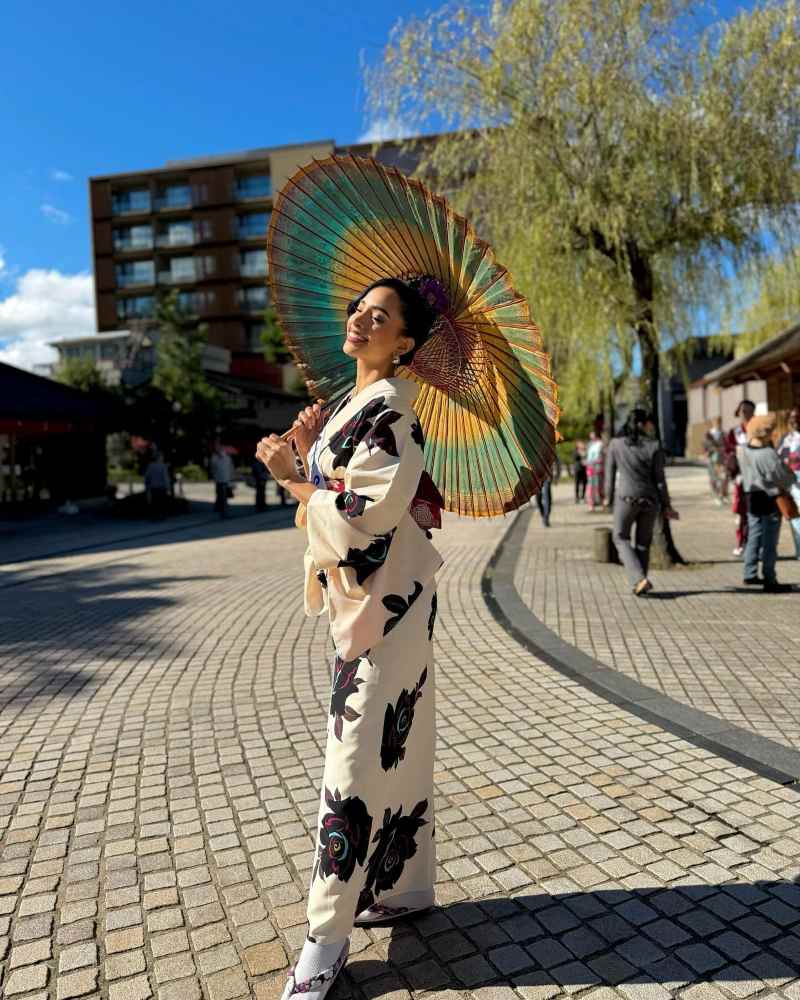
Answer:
[(397, 724), (382, 436), (351, 504), (344, 442), (417, 435), (365, 899), (343, 836), (323, 579), (395, 845), (399, 606), (432, 617), (366, 561), (344, 684)]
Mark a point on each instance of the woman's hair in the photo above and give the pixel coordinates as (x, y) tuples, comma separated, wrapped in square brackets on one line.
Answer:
[(745, 402), (635, 425), (419, 315)]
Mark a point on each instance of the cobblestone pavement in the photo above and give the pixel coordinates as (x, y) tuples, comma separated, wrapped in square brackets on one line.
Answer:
[(162, 714), (702, 637)]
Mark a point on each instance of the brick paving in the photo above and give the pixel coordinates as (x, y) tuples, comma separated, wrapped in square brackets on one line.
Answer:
[(162, 714), (702, 638)]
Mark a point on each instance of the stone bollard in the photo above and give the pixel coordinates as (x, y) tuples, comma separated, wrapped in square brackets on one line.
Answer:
[(605, 551)]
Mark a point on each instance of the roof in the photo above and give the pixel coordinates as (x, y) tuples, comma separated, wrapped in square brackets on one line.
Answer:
[(91, 338), (24, 396), (782, 349)]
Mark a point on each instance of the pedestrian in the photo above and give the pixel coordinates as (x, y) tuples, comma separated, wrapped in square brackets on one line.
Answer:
[(157, 486), (789, 452), (370, 562), (222, 473), (764, 477), (637, 498), (544, 501), (579, 470), (714, 448), (595, 457), (260, 477), (735, 439)]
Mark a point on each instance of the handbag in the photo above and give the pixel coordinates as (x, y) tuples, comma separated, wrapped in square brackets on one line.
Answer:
[(787, 507)]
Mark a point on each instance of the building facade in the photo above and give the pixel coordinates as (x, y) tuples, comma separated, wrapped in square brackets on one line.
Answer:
[(198, 226)]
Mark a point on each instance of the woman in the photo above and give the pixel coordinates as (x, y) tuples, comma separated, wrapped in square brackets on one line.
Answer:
[(370, 563), (579, 468), (764, 477), (713, 446), (789, 451), (642, 489), (594, 470), (735, 439)]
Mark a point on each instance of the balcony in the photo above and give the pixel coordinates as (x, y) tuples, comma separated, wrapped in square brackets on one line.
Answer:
[(252, 299), (253, 270), (134, 280), (183, 238), (174, 198), (175, 278), (253, 188), (130, 245), (133, 203)]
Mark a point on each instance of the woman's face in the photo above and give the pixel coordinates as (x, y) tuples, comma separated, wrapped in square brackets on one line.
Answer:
[(375, 332), (794, 418)]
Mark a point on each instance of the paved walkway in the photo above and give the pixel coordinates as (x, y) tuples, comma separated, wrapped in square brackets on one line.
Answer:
[(702, 637), (163, 714)]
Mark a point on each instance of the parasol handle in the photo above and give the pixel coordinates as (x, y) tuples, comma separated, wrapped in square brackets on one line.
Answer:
[(324, 411)]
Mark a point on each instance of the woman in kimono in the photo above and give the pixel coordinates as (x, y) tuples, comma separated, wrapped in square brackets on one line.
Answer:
[(368, 506)]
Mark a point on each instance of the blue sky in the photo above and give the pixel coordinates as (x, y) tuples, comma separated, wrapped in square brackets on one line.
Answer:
[(99, 88)]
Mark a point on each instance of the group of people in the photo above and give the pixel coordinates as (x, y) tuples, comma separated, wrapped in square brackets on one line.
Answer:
[(588, 463), (766, 486)]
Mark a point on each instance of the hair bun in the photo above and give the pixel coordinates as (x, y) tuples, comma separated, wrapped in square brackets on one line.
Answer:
[(431, 291)]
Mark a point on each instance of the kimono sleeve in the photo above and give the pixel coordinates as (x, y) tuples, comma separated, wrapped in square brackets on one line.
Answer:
[(380, 481)]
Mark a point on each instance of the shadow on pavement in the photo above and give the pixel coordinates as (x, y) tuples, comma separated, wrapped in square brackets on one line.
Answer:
[(672, 595), (62, 633), (555, 945)]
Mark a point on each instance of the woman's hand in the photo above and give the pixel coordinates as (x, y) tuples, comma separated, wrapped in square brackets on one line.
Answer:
[(307, 428), (278, 457)]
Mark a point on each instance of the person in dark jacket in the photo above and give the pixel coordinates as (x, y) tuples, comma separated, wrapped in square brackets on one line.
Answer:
[(641, 491)]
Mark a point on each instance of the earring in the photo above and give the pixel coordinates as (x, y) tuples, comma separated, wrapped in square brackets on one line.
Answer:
[(396, 360)]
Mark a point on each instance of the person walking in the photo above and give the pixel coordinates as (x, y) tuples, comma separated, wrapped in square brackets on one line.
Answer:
[(595, 455), (579, 471), (157, 486), (735, 439), (260, 477), (789, 453), (371, 564), (222, 473), (764, 477), (544, 501), (714, 447), (637, 498)]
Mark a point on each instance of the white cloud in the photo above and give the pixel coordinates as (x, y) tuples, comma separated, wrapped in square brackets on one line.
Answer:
[(46, 305), (60, 175), (384, 129), (54, 214), (2, 260)]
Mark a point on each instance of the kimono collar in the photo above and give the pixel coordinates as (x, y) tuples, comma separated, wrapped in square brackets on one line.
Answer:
[(402, 390)]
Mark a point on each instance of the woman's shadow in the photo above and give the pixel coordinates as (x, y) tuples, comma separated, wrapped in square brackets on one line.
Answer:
[(649, 941)]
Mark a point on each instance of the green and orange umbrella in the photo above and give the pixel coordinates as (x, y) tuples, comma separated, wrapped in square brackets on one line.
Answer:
[(487, 401)]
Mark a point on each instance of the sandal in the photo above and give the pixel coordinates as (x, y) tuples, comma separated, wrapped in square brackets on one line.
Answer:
[(378, 913), (643, 587), (317, 986)]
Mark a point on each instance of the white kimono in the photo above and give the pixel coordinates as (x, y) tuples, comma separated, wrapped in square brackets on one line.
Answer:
[(373, 567)]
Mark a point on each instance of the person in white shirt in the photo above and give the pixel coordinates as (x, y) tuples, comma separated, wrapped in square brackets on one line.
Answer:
[(789, 452), (222, 474)]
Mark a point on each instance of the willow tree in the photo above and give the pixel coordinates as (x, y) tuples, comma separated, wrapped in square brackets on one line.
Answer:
[(627, 158), (772, 303)]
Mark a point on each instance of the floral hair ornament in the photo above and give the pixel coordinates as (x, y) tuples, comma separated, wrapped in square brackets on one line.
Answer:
[(432, 291)]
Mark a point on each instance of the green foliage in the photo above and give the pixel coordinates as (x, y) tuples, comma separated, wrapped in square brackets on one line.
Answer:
[(117, 475), (774, 304), (81, 373), (272, 342), (626, 162), (192, 473)]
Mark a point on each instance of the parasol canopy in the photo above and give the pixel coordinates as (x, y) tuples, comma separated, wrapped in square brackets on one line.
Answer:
[(487, 401)]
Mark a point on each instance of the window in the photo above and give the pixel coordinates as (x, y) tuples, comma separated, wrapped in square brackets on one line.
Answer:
[(137, 307), (174, 196), (133, 238), (254, 298), (182, 269), (176, 234), (196, 302), (253, 186), (253, 224), (135, 272), (253, 263), (205, 266), (109, 351), (130, 201)]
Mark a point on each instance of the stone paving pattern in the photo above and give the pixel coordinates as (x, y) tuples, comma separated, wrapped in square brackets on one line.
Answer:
[(702, 637), (162, 720)]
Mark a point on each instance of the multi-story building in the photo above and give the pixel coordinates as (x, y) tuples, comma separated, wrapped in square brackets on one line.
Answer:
[(198, 226)]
